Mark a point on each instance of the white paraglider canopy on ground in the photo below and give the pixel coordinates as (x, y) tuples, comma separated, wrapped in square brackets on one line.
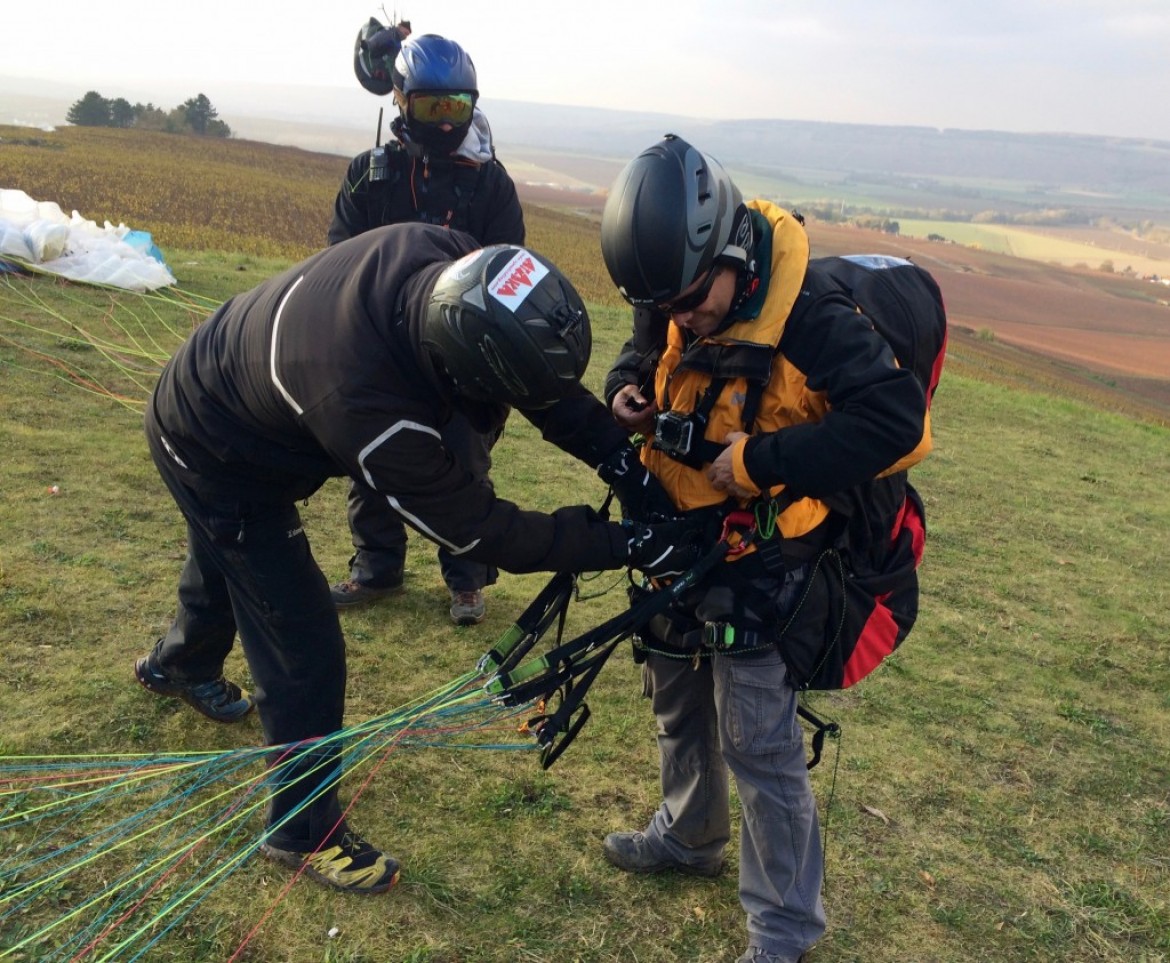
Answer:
[(38, 234)]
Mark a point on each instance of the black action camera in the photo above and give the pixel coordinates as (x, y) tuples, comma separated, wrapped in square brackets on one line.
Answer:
[(675, 434)]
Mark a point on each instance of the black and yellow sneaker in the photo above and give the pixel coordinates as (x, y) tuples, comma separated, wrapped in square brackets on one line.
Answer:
[(218, 699), (350, 864)]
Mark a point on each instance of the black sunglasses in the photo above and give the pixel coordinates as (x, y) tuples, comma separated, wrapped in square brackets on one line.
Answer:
[(688, 302)]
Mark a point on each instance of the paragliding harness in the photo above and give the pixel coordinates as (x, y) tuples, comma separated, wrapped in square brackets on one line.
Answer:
[(851, 611), (389, 164), (563, 675), (859, 595)]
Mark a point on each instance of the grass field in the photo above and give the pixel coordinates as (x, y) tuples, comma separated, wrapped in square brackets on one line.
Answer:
[(1001, 791)]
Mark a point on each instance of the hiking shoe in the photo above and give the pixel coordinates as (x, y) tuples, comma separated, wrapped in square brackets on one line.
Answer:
[(352, 864), (757, 954), (351, 593), (467, 608), (219, 700), (633, 853)]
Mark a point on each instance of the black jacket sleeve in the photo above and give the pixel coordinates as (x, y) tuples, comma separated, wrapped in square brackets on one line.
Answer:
[(637, 360), (876, 414), (503, 217), (401, 456), (350, 213), (580, 425)]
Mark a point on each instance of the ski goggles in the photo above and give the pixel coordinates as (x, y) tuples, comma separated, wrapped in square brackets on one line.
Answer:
[(688, 302), (441, 107)]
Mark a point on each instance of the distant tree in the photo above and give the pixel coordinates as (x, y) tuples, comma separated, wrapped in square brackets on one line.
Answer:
[(176, 120), (149, 117), (199, 113), (872, 222), (217, 128), (122, 113), (93, 110)]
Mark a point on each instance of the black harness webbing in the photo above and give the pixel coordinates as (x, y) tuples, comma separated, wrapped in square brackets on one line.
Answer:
[(570, 668), (821, 729), (567, 671)]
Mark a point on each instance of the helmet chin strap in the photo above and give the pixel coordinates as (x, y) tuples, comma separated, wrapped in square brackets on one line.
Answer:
[(740, 253), (747, 282)]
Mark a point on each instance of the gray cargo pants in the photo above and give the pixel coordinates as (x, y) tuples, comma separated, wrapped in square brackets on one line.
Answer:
[(739, 713)]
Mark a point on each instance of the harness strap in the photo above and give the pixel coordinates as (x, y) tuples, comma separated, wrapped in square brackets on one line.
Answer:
[(571, 667), (820, 731)]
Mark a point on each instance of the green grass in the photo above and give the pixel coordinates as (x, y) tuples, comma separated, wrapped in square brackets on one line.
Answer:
[(1017, 744), (1017, 747)]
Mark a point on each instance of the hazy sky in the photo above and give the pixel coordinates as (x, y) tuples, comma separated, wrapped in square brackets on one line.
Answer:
[(1084, 66)]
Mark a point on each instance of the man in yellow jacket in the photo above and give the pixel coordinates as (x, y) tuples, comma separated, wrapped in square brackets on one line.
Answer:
[(758, 385)]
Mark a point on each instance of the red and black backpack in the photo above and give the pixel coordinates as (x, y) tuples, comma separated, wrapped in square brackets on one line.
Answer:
[(860, 598)]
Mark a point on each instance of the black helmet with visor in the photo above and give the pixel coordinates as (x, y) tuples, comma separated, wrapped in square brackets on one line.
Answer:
[(373, 57), (506, 326)]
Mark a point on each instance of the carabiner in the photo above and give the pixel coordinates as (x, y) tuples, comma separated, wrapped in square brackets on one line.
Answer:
[(739, 525)]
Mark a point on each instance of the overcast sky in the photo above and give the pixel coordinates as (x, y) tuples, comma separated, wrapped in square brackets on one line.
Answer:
[(1082, 66)]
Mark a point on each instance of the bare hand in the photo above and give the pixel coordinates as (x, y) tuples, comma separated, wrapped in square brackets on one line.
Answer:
[(633, 411), (721, 472)]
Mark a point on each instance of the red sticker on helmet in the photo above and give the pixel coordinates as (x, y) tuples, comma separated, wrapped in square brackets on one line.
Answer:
[(517, 280)]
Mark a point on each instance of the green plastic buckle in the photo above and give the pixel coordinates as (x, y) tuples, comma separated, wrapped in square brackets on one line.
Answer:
[(719, 635)]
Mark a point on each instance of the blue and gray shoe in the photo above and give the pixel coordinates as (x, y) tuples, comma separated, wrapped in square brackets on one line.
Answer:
[(218, 699)]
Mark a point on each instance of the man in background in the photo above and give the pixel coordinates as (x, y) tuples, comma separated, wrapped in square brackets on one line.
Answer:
[(440, 168)]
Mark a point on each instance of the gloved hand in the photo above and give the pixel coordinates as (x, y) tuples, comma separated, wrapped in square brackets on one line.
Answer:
[(642, 496), (663, 549)]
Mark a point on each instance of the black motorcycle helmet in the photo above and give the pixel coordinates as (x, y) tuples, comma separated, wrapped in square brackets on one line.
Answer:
[(506, 326), (373, 57), (671, 213)]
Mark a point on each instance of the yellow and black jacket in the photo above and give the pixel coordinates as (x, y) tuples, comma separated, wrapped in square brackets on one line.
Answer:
[(833, 420), (836, 410)]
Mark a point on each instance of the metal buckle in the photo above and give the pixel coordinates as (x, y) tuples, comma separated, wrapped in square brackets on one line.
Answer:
[(718, 635)]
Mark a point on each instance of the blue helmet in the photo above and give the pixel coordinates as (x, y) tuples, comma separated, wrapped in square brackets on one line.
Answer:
[(431, 62), (437, 89)]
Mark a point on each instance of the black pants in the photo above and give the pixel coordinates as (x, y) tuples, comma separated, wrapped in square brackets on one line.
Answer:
[(379, 537), (249, 569)]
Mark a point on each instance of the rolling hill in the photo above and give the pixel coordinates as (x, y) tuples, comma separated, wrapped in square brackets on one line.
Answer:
[(1094, 334)]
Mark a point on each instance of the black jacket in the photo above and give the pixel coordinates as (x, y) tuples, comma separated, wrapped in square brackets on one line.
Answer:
[(479, 199), (319, 373)]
